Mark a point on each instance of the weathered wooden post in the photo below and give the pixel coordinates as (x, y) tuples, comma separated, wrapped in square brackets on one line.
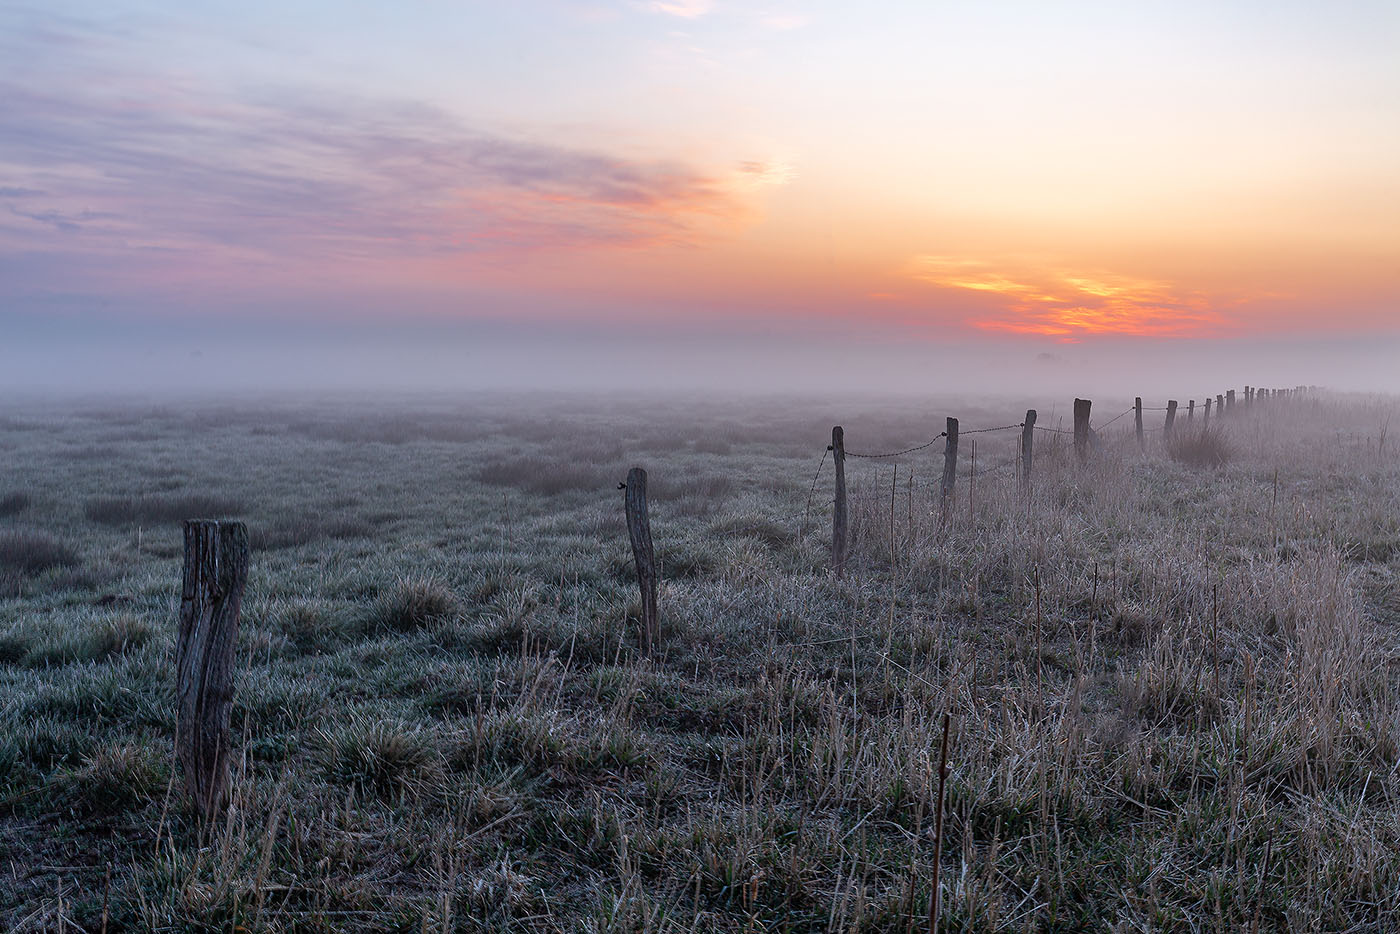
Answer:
[(1081, 427), (1229, 400), (1027, 448), (1248, 397), (639, 529), (1171, 419), (1190, 411), (211, 596), (839, 515), (1137, 423), (1219, 406), (950, 465), (1205, 419)]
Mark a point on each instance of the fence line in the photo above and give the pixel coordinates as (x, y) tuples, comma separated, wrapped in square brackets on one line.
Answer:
[(1085, 438), (216, 557)]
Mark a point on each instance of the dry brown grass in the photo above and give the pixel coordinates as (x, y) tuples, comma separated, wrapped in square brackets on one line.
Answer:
[(1202, 447)]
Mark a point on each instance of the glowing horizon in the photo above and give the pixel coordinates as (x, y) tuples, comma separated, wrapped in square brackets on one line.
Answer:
[(1011, 171)]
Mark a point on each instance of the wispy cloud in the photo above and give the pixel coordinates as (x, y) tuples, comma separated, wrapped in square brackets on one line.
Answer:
[(307, 170), (67, 223), (114, 160), (783, 22), (1069, 304), (686, 9)]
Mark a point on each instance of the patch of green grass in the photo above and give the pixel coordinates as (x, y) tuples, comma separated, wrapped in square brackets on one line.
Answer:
[(1204, 447), (113, 779), (91, 639), (382, 757), (411, 603), (295, 531), (151, 508), (14, 503), (547, 477), (29, 551)]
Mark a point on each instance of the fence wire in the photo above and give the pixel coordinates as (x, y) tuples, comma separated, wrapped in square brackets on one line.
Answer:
[(920, 447), (1113, 419), (807, 511), (978, 431)]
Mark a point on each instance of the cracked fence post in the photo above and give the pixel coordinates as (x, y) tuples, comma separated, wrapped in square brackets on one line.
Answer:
[(1137, 424), (639, 528), (1082, 408), (950, 467), (1027, 448), (216, 571), (839, 513), (1170, 423)]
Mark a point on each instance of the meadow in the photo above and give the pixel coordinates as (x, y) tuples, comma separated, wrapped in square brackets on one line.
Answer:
[(1173, 690)]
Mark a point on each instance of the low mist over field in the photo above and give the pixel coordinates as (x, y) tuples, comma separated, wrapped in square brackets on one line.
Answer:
[(179, 358)]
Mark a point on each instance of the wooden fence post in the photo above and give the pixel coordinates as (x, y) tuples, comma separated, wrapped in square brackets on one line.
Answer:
[(1081, 427), (1137, 423), (1205, 421), (1219, 406), (1190, 411), (1248, 397), (1171, 419), (639, 529), (211, 596), (839, 515), (1229, 400), (950, 465), (1027, 448)]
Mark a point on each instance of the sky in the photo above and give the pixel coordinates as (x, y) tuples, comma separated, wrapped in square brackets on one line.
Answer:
[(430, 189)]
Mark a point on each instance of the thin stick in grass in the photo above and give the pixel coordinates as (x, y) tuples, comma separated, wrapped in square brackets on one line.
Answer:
[(972, 483), (909, 528), (1263, 877), (1215, 639), (894, 488), (1039, 654), (894, 556), (938, 826)]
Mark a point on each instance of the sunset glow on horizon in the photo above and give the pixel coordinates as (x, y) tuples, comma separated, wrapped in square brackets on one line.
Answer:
[(1005, 171)]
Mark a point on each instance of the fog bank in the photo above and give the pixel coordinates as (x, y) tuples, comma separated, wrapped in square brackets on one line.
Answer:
[(52, 356)]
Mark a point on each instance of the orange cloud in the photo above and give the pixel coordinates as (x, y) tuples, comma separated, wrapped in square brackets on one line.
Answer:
[(1067, 303)]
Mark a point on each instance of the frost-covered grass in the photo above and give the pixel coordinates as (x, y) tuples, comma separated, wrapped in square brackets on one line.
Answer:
[(442, 722)]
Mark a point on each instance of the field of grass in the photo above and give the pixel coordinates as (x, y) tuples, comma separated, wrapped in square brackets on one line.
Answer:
[(1173, 687)]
